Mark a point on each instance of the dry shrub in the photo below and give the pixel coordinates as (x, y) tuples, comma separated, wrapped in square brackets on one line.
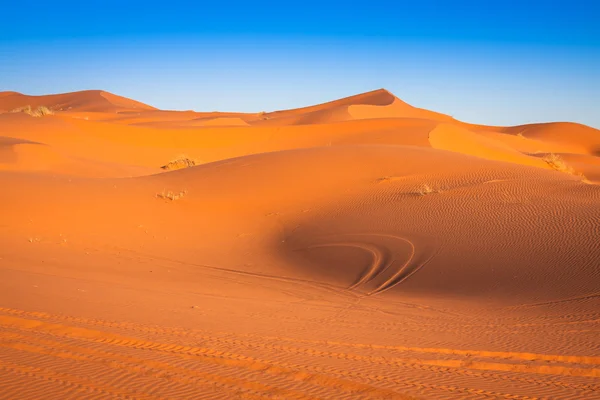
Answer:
[(386, 178), (41, 111), (557, 163), (180, 162), (426, 189), (25, 109), (171, 195)]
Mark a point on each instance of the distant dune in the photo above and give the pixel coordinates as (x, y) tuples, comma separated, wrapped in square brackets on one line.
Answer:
[(89, 100), (359, 248), (376, 104)]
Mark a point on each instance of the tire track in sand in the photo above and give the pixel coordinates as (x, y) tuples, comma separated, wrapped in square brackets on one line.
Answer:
[(507, 355), (139, 365), (72, 382), (311, 374), (383, 273), (431, 366), (207, 355)]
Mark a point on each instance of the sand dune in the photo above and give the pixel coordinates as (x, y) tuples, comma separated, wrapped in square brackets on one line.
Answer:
[(572, 136), (376, 104), (361, 248), (29, 155), (89, 100), (460, 140), (569, 137)]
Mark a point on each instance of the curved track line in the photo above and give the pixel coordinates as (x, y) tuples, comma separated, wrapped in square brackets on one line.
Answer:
[(276, 278), (558, 301), (403, 274), (379, 265)]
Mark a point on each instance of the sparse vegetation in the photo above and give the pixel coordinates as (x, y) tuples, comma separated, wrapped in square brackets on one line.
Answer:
[(263, 115), (180, 162), (41, 111), (426, 189), (556, 162), (25, 109), (422, 190), (385, 179), (169, 195)]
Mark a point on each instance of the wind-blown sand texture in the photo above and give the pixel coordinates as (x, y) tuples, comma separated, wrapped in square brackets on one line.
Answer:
[(357, 249)]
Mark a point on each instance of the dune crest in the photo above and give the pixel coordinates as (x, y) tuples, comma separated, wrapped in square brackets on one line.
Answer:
[(371, 105)]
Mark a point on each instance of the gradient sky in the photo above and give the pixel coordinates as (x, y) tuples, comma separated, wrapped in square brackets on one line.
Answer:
[(495, 62)]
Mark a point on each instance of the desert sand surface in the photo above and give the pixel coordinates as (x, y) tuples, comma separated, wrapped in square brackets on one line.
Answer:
[(357, 249)]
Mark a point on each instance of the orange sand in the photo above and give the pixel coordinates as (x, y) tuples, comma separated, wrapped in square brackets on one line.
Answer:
[(357, 249)]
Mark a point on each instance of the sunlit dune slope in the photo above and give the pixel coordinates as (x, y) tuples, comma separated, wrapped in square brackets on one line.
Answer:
[(149, 138), (460, 140), (571, 137)]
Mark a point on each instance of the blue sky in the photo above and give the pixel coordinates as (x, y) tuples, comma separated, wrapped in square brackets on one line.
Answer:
[(494, 62)]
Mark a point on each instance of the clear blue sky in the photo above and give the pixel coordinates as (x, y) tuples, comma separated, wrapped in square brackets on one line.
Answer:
[(495, 62)]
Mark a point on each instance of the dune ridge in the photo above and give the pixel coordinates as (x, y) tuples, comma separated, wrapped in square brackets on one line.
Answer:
[(358, 248), (87, 100)]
